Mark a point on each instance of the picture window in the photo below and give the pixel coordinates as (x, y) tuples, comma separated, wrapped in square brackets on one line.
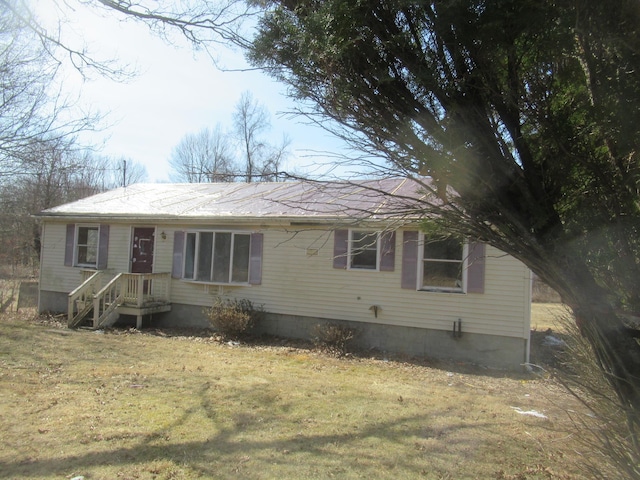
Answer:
[(217, 257)]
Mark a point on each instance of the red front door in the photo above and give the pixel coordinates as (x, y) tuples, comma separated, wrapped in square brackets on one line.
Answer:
[(142, 250)]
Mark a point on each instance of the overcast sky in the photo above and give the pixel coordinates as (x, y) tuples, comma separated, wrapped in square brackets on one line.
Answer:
[(175, 92)]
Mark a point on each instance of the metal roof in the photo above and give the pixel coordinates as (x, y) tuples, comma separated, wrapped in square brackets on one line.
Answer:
[(313, 201)]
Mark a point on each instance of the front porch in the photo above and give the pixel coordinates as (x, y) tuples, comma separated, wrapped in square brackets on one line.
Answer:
[(102, 298)]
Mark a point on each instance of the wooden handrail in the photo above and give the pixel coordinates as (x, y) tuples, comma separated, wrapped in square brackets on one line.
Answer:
[(86, 282), (81, 298), (135, 289), (132, 289), (107, 300), (103, 290)]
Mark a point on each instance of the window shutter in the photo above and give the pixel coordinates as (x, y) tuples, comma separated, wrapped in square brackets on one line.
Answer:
[(410, 259), (387, 251), (178, 249), (255, 259), (68, 248), (103, 246), (340, 248), (475, 268)]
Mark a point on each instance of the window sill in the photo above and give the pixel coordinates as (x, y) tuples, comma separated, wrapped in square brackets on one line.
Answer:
[(215, 284), (442, 290)]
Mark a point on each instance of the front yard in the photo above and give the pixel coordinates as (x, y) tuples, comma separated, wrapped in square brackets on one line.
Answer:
[(164, 405)]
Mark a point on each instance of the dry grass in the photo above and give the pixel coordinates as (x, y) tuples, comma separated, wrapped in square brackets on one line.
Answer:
[(546, 316), (9, 294), (126, 405)]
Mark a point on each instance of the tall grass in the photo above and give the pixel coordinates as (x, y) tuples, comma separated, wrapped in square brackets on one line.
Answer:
[(604, 428)]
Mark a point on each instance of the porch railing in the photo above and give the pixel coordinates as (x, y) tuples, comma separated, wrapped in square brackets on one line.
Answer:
[(106, 301), (142, 289), (138, 290), (80, 300)]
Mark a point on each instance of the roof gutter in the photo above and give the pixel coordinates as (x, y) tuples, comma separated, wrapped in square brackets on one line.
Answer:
[(301, 221)]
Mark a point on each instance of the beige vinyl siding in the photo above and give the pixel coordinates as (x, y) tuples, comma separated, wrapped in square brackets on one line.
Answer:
[(56, 277), (119, 248), (296, 283)]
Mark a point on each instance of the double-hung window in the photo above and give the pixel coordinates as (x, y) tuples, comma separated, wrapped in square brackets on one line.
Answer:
[(364, 250), (442, 264), (86, 249), (217, 257)]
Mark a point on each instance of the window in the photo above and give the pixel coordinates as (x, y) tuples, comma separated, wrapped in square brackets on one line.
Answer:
[(355, 249), (87, 246), (424, 264), (363, 250), (443, 264), (218, 257)]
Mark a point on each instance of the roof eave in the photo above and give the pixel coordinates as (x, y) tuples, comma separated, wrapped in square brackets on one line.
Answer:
[(302, 220)]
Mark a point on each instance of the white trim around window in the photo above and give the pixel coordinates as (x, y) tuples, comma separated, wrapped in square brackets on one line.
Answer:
[(219, 257), (442, 265), (364, 250), (86, 246)]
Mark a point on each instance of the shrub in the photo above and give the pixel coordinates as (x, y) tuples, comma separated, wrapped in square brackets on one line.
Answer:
[(234, 318), (333, 338)]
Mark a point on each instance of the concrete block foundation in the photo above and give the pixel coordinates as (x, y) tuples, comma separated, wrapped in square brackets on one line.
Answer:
[(488, 350)]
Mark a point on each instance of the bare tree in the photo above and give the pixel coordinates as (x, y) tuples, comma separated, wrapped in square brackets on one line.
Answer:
[(270, 170), (33, 109), (205, 23), (208, 156), (126, 172), (261, 160), (51, 173), (42, 163), (249, 121), (203, 157)]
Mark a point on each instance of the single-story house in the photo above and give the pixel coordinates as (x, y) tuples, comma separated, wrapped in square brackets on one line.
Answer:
[(308, 253)]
